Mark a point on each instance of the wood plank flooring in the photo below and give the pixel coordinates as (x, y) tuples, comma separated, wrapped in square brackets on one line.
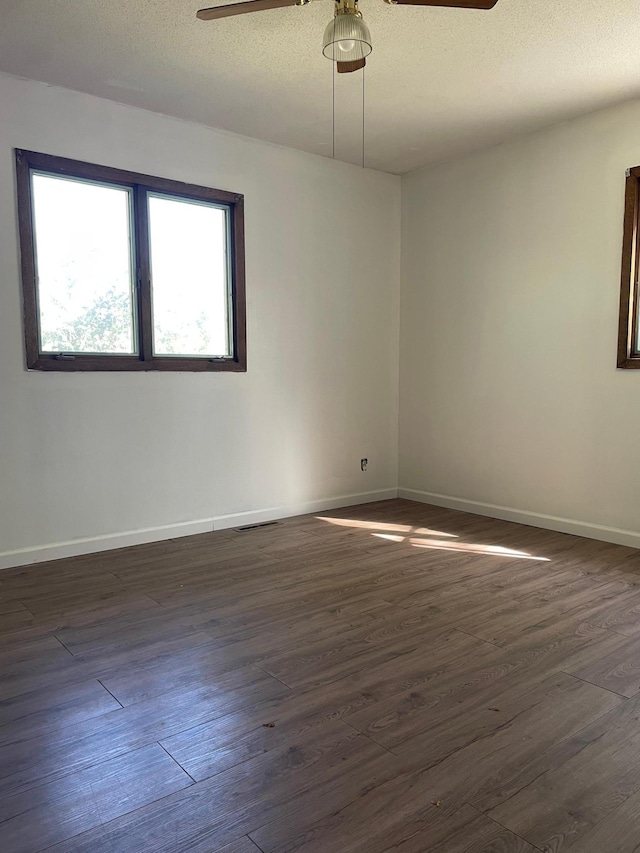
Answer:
[(387, 677)]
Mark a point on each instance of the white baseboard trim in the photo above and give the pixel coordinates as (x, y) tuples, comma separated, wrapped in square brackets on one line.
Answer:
[(533, 519), (110, 541), (239, 519), (107, 542)]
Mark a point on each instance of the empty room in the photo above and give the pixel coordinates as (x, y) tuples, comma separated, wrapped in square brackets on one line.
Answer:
[(319, 417)]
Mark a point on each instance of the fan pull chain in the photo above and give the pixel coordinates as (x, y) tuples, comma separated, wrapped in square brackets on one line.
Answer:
[(363, 71), (333, 120)]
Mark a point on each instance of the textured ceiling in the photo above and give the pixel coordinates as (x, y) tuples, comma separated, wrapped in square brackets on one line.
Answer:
[(440, 82)]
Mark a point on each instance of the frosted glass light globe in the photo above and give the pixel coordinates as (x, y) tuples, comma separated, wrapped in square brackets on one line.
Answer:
[(347, 38)]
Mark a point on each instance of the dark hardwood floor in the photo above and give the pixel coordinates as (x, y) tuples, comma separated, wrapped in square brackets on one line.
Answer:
[(388, 677)]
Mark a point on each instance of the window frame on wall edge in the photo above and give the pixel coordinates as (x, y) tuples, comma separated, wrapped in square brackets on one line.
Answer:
[(628, 327)]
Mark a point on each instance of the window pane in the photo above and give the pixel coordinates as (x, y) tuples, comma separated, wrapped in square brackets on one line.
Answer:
[(83, 257), (189, 277)]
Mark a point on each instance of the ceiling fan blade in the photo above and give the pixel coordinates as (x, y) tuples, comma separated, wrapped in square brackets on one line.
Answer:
[(348, 67), (240, 8), (454, 4)]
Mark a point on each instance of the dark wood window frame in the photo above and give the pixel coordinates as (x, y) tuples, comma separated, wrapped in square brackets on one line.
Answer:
[(628, 346), (139, 184)]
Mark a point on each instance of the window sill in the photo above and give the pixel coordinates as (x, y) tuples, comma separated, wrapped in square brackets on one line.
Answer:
[(128, 363), (631, 363)]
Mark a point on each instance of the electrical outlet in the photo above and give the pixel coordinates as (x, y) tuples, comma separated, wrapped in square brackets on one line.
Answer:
[(363, 464)]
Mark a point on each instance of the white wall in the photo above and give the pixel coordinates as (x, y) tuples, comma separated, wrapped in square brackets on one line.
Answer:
[(97, 455), (510, 397), (510, 401)]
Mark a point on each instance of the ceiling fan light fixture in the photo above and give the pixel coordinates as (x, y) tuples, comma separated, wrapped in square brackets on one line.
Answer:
[(347, 38)]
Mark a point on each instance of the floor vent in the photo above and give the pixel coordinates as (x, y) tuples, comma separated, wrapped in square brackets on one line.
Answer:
[(255, 526)]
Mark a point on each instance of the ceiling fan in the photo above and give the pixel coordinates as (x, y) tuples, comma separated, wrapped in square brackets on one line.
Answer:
[(347, 40)]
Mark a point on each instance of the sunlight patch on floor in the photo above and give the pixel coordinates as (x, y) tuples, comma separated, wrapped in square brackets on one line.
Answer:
[(367, 525), (424, 537)]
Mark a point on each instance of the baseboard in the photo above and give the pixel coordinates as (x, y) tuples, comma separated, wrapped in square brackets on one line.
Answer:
[(239, 519), (533, 519), (94, 544), (110, 541)]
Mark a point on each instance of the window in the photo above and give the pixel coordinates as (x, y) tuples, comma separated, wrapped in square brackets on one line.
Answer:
[(122, 271), (629, 328)]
